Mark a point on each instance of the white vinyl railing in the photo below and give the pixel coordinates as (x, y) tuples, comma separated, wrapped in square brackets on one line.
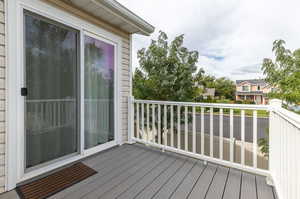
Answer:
[(44, 115), (284, 151), (49, 114), (222, 133)]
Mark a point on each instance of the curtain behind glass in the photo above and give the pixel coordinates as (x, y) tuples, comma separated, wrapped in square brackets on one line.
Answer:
[(51, 80), (99, 92)]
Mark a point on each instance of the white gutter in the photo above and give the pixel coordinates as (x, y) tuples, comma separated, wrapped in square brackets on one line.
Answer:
[(115, 8)]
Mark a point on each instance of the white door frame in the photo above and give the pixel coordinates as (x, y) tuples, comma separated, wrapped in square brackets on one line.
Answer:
[(15, 102)]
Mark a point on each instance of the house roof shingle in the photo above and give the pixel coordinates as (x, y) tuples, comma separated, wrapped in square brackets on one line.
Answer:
[(252, 81)]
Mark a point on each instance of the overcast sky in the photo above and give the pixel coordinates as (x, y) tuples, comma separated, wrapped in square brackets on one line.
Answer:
[(231, 36)]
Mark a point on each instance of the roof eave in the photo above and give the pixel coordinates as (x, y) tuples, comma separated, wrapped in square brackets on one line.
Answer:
[(120, 11)]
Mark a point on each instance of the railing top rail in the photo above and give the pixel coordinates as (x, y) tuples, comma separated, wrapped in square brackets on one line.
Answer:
[(290, 116), (208, 105), (51, 100)]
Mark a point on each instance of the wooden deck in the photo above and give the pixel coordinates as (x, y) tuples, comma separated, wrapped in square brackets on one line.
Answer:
[(137, 171)]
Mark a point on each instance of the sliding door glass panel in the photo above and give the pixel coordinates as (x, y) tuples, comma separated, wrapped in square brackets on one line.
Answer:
[(98, 92), (51, 60)]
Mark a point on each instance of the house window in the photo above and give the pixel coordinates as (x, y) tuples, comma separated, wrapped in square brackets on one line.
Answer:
[(258, 88), (246, 88)]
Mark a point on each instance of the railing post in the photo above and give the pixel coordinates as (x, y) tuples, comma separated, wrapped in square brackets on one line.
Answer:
[(274, 104), (130, 119)]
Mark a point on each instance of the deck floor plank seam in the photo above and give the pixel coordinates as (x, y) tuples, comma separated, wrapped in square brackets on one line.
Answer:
[(196, 182), (146, 193), (185, 187), (225, 183), (218, 183), (168, 188), (115, 191), (121, 168), (149, 163), (182, 180), (148, 179), (202, 185), (210, 183), (101, 172)]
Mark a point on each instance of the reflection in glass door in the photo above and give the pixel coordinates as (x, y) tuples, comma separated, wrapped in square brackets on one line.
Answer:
[(51, 62), (99, 62)]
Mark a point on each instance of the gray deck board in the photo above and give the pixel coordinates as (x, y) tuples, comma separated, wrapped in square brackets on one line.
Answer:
[(106, 155), (99, 179), (129, 176), (141, 172), (188, 183), (264, 191), (232, 189), (151, 189), (201, 187), (130, 182), (113, 167), (217, 186), (248, 189), (167, 190), (149, 178)]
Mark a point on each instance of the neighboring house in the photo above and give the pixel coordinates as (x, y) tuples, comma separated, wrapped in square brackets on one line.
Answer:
[(254, 90), (65, 81), (209, 93)]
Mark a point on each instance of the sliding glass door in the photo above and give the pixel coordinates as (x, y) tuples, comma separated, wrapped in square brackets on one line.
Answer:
[(99, 64), (51, 85), (54, 55)]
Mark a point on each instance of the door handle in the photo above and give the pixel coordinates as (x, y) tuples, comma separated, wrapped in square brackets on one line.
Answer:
[(24, 91)]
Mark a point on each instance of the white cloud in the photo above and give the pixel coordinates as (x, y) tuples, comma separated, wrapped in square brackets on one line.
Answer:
[(241, 31)]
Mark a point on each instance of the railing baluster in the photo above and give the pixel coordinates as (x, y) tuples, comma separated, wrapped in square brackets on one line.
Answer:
[(211, 137), (153, 123), (159, 125), (148, 123), (59, 114), (186, 128), (165, 141), (194, 129), (138, 121), (202, 131), (255, 139), (163, 122), (243, 137), (178, 128), (221, 133), (231, 135), (143, 122), (172, 126)]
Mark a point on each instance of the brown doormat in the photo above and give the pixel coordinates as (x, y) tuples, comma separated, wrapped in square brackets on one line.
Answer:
[(55, 182)]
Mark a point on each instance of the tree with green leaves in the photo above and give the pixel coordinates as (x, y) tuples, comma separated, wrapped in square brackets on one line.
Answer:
[(283, 72), (167, 71), (225, 88)]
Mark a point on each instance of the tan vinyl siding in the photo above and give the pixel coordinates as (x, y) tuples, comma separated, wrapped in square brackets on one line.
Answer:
[(125, 85), (2, 95)]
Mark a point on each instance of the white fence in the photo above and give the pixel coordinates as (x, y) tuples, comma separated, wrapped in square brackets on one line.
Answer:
[(284, 151), (180, 127)]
